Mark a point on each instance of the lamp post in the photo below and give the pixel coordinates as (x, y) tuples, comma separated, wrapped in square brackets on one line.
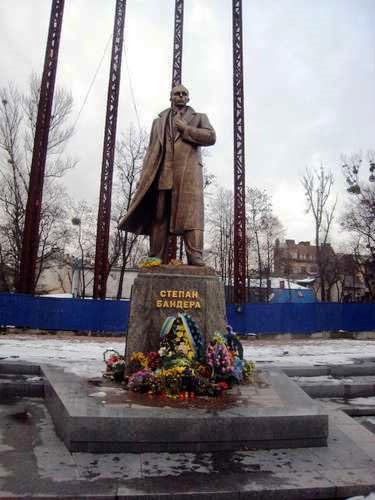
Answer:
[(77, 264)]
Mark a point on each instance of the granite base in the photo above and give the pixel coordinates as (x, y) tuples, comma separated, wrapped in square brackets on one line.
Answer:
[(272, 413)]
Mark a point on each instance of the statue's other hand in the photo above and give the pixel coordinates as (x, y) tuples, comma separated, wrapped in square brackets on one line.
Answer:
[(180, 124)]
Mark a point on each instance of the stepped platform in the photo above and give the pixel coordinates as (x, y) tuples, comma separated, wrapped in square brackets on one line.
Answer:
[(35, 463), (271, 413)]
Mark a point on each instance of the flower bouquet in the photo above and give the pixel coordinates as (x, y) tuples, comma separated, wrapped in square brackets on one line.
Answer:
[(183, 367), (115, 363)]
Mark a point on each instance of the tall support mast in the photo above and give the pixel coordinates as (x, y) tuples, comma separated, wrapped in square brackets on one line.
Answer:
[(176, 80), (104, 211), (239, 157), (30, 241), (178, 42)]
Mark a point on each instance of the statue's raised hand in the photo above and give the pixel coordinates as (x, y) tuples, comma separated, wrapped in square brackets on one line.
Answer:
[(180, 124)]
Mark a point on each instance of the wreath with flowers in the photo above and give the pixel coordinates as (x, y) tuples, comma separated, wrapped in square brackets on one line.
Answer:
[(183, 367)]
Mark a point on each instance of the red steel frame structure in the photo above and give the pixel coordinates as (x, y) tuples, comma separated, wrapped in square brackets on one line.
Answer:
[(239, 157), (30, 241), (104, 211), (33, 208), (176, 80), (178, 42)]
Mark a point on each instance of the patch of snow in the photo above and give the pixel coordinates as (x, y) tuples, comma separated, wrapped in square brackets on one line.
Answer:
[(310, 351), (323, 378), (84, 355), (371, 496), (370, 401), (100, 394), (58, 295)]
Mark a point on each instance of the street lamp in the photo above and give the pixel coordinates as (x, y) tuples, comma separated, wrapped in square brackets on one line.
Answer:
[(372, 170), (352, 178)]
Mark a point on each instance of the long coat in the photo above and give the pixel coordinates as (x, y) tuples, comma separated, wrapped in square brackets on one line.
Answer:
[(187, 192)]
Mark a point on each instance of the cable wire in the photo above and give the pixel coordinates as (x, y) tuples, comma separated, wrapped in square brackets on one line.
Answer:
[(93, 81), (131, 90)]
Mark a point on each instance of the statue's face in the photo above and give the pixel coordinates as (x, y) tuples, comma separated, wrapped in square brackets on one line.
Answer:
[(179, 96)]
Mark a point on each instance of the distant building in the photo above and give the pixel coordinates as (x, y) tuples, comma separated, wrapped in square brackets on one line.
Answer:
[(343, 274), (295, 260), (353, 286), (65, 276), (274, 290)]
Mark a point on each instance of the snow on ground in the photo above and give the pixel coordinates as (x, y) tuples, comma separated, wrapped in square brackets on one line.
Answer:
[(370, 401), (80, 355), (322, 380), (309, 351), (84, 355)]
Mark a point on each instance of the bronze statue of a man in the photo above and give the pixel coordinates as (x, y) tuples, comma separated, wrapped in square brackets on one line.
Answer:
[(169, 197)]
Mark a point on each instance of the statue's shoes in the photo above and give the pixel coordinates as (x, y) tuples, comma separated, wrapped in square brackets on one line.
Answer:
[(196, 262)]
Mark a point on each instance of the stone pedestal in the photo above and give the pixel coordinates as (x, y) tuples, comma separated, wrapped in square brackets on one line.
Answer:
[(273, 412), (166, 291)]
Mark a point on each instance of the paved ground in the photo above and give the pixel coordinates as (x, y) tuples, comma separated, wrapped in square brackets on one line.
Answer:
[(34, 462)]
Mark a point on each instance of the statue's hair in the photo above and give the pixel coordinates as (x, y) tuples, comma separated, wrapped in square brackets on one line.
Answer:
[(179, 85)]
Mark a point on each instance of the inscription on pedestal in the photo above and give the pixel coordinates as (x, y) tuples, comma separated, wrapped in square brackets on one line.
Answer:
[(178, 299), (165, 292)]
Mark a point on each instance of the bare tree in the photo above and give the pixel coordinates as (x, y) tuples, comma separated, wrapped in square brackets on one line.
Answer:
[(126, 246), (60, 130), (208, 179), (359, 214), (17, 127), (220, 233), (54, 225), (273, 229), (318, 185), (82, 242), (263, 227), (258, 210)]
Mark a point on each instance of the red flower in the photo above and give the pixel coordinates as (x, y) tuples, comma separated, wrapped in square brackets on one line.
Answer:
[(223, 385), (112, 360)]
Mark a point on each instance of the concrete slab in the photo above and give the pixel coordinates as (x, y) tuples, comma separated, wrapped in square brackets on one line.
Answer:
[(271, 413), (339, 390), (19, 367), (21, 385), (345, 370), (35, 463)]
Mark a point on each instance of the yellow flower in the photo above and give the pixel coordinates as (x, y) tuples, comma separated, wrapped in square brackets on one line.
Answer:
[(139, 357), (150, 262)]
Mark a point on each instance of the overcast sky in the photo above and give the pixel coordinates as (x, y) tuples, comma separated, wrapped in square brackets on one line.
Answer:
[(309, 82)]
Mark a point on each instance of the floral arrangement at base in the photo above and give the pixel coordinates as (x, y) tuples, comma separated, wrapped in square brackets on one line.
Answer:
[(149, 262), (175, 262), (183, 367), (115, 363)]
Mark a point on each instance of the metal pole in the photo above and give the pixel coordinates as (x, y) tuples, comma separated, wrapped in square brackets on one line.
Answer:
[(178, 42), (104, 211), (176, 80), (239, 158), (30, 241)]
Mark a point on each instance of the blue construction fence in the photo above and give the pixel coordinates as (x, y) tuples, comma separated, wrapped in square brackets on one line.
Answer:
[(47, 313)]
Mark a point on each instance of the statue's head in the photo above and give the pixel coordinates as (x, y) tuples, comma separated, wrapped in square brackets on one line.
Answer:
[(179, 96)]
